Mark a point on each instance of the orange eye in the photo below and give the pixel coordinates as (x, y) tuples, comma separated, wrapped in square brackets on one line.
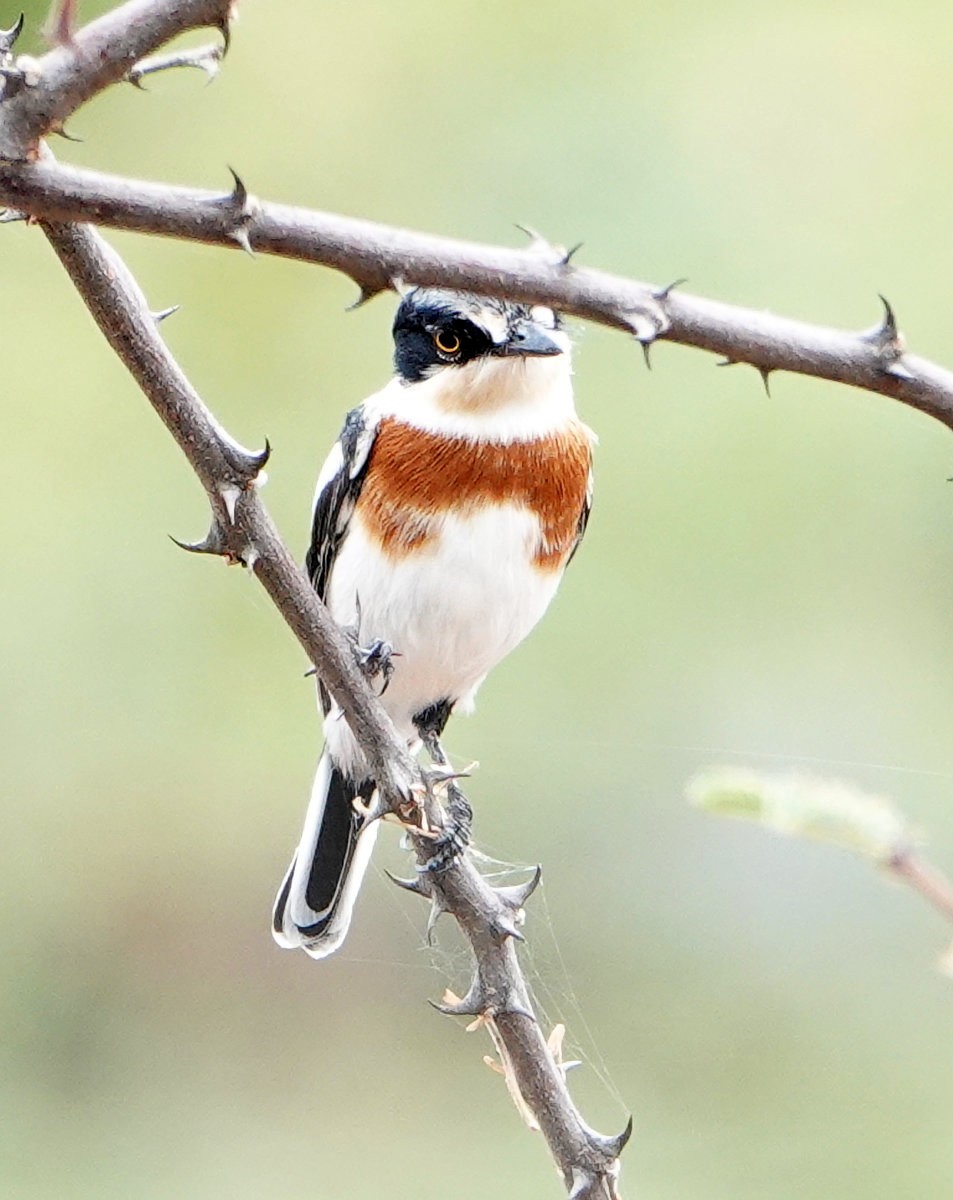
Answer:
[(446, 342)]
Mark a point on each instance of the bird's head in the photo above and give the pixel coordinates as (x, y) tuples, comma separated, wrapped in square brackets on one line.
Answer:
[(440, 331)]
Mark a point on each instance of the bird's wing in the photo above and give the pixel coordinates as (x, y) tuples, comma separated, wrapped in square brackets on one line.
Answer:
[(583, 519), (338, 488)]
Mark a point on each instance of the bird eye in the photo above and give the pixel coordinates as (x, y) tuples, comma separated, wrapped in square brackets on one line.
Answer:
[(446, 342)]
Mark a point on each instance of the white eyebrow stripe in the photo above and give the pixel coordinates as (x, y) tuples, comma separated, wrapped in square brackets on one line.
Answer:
[(543, 316), (495, 324)]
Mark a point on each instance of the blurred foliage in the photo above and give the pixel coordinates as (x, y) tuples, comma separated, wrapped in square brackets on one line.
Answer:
[(765, 581), (801, 805)]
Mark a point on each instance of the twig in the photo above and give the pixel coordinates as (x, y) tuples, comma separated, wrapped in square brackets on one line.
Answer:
[(99, 54), (906, 864), (203, 58)]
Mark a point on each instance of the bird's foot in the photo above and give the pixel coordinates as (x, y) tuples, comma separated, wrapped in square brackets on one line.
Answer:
[(375, 660), (453, 839)]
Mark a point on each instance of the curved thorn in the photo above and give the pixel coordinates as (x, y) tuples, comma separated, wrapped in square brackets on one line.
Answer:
[(163, 313), (9, 36), (662, 294), (417, 885), (238, 196), (64, 133), (613, 1146), (889, 326), (568, 254), (212, 543), (473, 1004), (365, 292), (437, 909), (246, 466), (516, 895), (646, 348), (504, 928), (225, 29)]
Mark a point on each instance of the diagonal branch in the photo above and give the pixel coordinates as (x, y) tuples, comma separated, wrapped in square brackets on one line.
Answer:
[(243, 531), (375, 256)]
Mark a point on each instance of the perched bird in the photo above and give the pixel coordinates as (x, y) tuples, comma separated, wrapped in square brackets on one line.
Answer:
[(443, 519)]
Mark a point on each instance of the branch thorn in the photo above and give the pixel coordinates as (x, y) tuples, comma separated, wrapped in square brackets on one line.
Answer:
[(418, 885), (569, 254), (613, 1146), (515, 896), (230, 493), (64, 133), (9, 36), (212, 543), (898, 370), (542, 247), (238, 196), (648, 322), (250, 462), (437, 909), (505, 926), (663, 293), (164, 313), (473, 1004), (245, 208), (225, 28), (888, 327), (366, 291), (240, 235), (9, 215), (765, 373), (585, 1183), (888, 343)]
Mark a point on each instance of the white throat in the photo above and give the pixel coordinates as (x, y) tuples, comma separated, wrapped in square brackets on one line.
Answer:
[(500, 399)]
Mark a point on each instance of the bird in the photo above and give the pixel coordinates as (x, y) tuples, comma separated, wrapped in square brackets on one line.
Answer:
[(443, 519)]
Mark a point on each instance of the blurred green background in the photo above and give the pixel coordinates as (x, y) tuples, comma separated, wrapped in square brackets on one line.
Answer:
[(765, 582)]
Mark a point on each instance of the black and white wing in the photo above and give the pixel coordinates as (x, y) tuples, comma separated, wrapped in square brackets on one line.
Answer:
[(338, 488), (583, 519)]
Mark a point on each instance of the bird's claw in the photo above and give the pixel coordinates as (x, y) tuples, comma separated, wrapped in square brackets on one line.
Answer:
[(376, 659), (454, 838)]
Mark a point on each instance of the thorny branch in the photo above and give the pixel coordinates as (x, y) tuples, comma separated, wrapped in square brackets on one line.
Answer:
[(378, 256), (37, 97), (243, 531)]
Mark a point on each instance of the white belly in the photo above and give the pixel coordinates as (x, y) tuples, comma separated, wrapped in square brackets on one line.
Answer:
[(452, 609)]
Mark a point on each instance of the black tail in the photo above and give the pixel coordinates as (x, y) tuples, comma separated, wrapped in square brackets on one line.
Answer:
[(314, 904)]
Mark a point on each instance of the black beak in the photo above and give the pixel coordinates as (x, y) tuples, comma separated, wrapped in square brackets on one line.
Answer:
[(528, 340)]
